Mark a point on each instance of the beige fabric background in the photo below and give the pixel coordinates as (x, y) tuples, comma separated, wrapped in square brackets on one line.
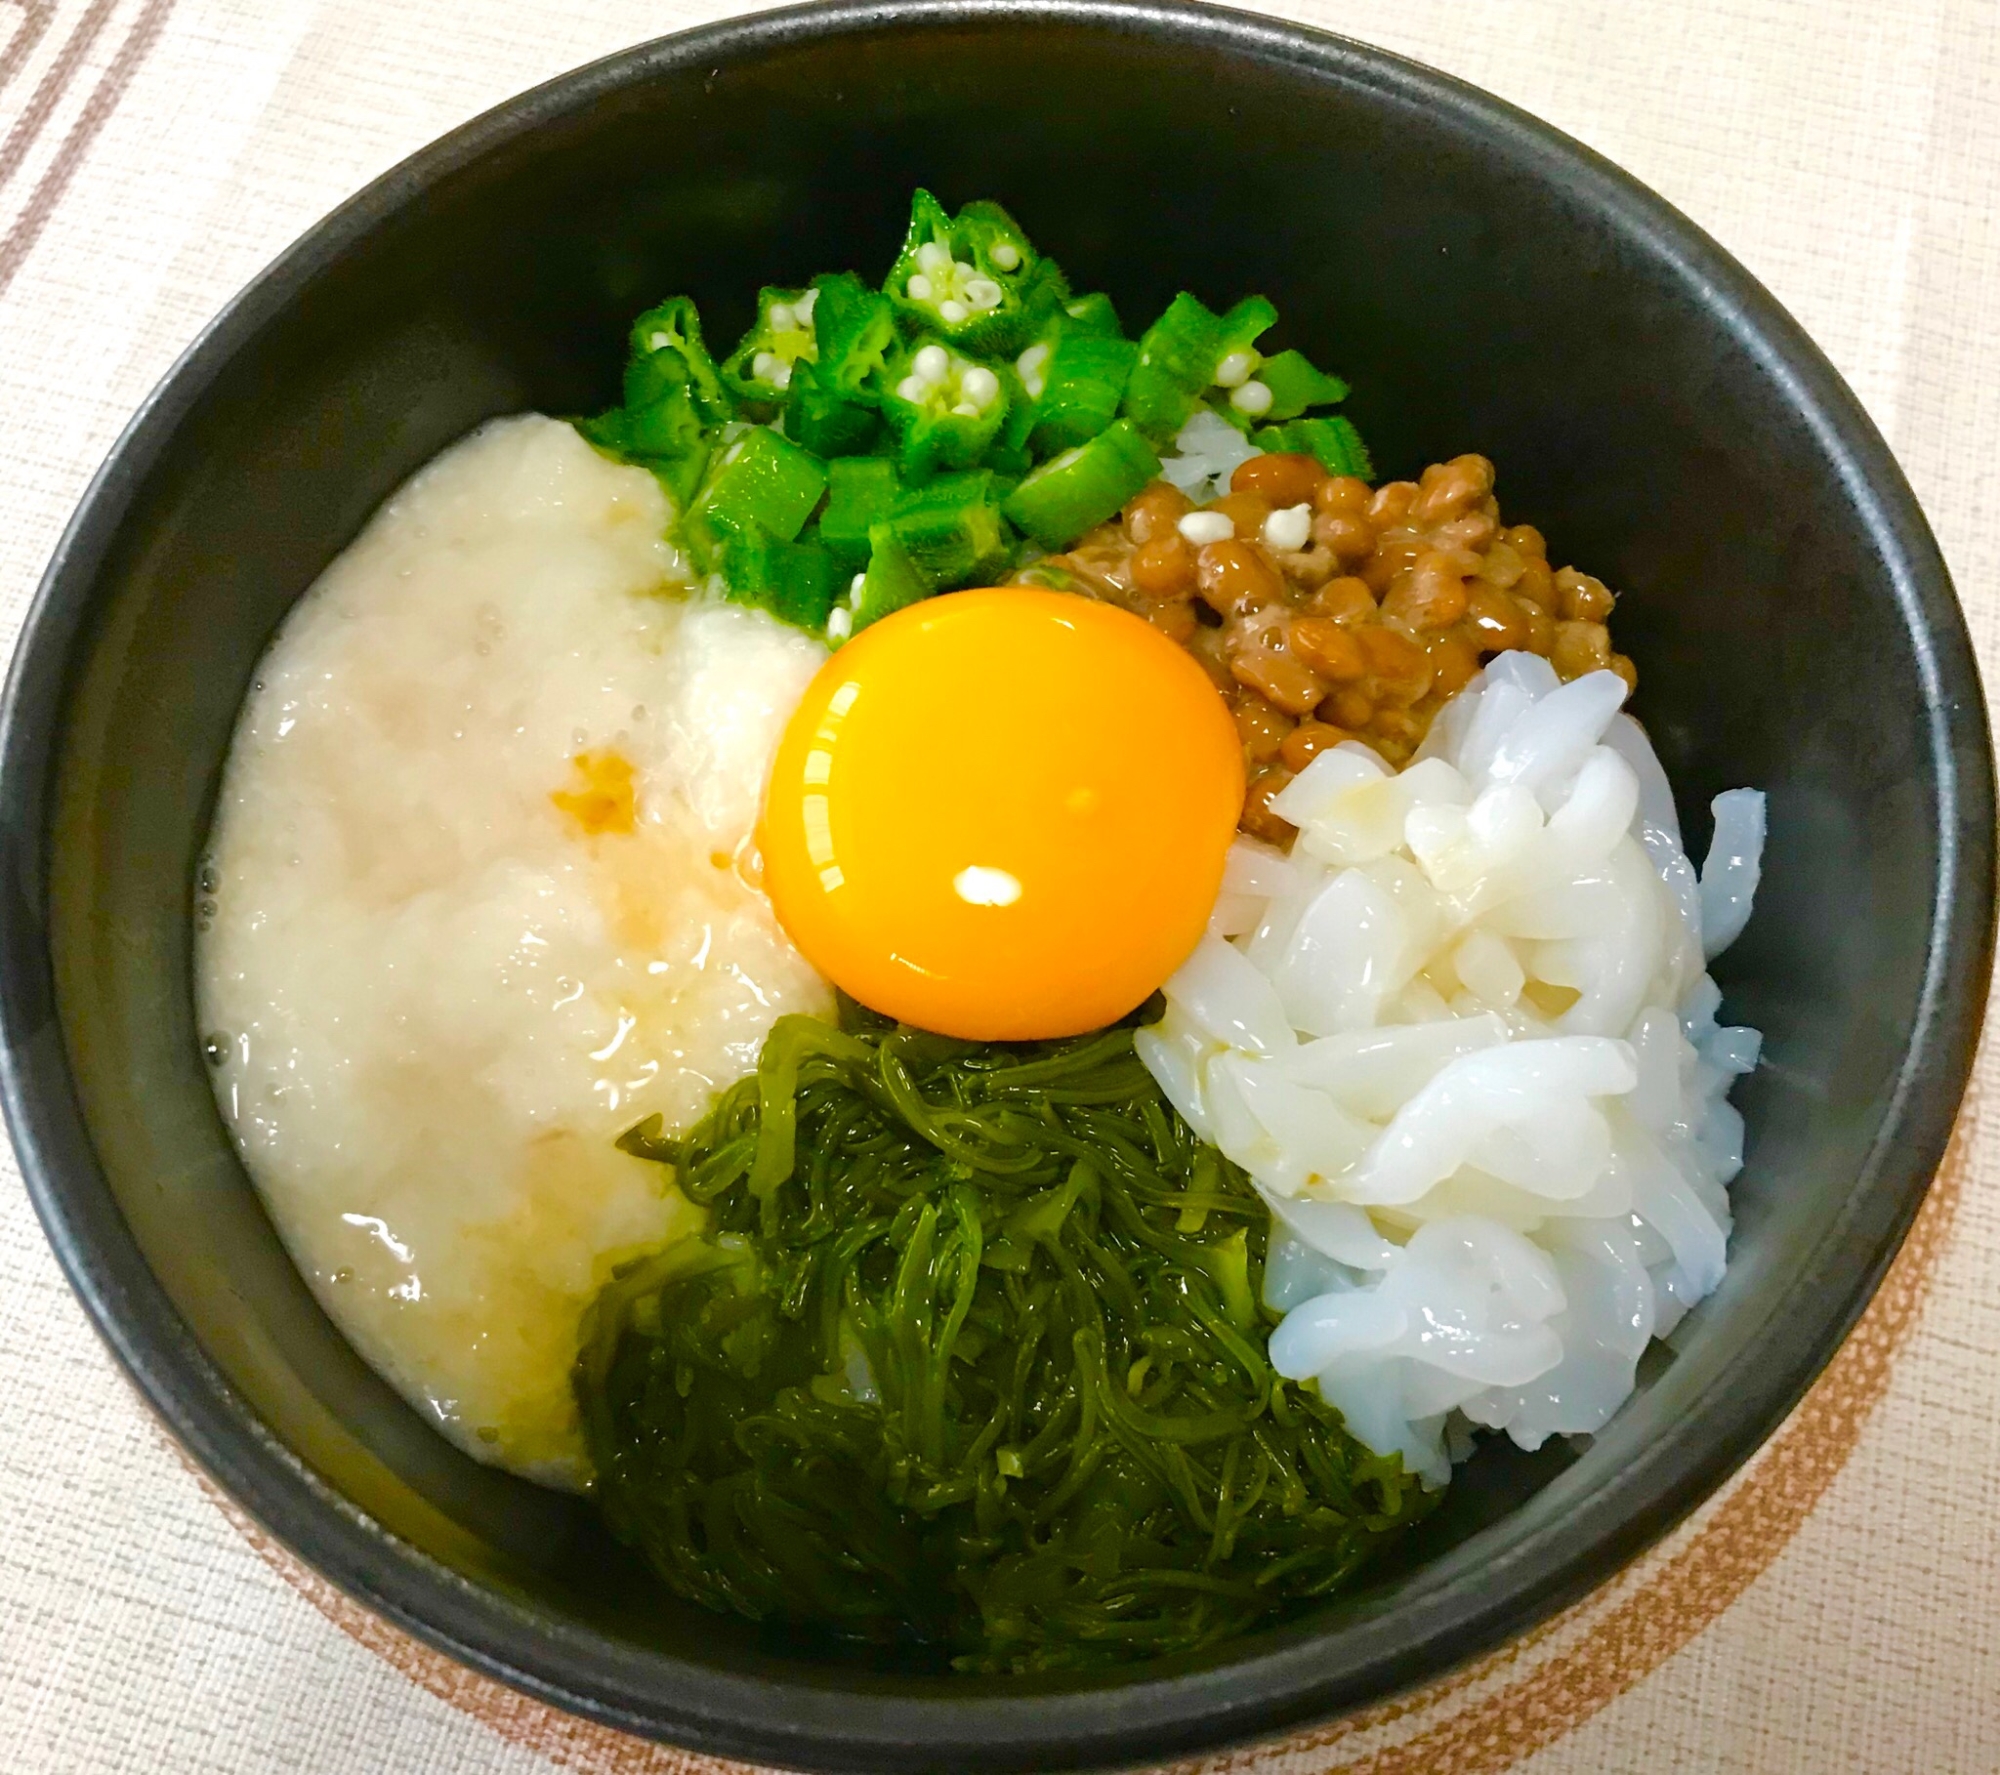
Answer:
[(1847, 150)]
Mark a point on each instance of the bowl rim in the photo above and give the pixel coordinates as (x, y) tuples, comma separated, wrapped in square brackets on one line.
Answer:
[(848, 1723)]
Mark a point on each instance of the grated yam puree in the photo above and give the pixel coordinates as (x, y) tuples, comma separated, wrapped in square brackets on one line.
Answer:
[(477, 901)]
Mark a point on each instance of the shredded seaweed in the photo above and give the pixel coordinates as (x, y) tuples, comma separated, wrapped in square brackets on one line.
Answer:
[(969, 1361)]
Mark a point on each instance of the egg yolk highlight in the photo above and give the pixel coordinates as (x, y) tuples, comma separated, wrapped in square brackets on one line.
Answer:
[(1003, 814)]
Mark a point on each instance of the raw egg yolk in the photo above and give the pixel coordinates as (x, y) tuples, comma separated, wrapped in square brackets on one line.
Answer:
[(1003, 814)]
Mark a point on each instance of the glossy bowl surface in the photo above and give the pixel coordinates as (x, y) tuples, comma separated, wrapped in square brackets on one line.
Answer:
[(1486, 283)]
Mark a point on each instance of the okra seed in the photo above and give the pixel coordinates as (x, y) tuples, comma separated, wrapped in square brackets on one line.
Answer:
[(803, 307), (965, 410), (1205, 527), (1234, 370), (932, 257), (658, 342), (913, 389), (964, 270), (979, 386), (920, 288), (1031, 363), (954, 313), (1006, 255), (1289, 529), (839, 625), (1253, 398), (932, 363), (855, 587), (766, 365), (983, 292), (781, 377), (783, 320)]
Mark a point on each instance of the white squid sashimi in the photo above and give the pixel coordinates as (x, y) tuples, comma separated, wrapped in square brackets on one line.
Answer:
[(1294, 1273), (1526, 673), (1174, 1051), (1656, 795), (1598, 811), (1656, 824), (1253, 875), (1490, 971), (1350, 810), (1351, 949), (1554, 885), (1237, 1131), (1472, 1191), (1734, 865), (1476, 854), (1518, 1087), (1530, 671), (1467, 1308), (1315, 1134), (1546, 746), (1374, 1072), (1471, 1006), (1556, 911), (1273, 932), (1719, 1141), (1558, 1153), (1612, 968), (1501, 703), (1671, 1200), (1222, 994), (1666, 1061), (1337, 1230), (1607, 1320)]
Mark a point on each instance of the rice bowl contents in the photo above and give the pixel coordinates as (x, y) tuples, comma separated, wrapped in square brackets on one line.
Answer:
[(1265, 1038), (473, 904), (1464, 1040)]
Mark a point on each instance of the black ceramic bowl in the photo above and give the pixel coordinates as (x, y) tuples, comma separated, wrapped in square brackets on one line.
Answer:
[(1486, 284)]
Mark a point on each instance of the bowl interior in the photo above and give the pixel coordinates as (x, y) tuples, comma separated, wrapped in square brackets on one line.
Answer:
[(1484, 286)]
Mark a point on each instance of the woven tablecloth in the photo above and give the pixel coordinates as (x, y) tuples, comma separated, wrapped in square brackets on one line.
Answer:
[(1836, 1609)]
